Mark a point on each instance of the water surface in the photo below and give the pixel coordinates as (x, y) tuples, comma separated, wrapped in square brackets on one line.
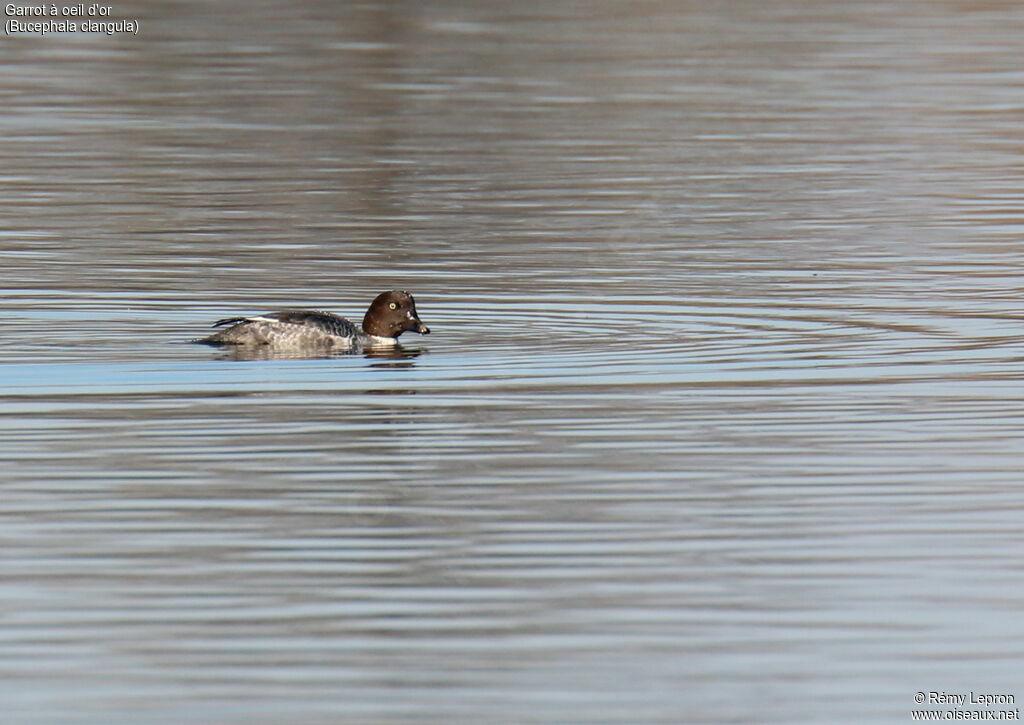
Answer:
[(719, 420)]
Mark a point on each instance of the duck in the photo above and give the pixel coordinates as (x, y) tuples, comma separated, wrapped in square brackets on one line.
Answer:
[(390, 314)]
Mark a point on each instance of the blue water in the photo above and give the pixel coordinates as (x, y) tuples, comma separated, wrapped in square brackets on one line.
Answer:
[(719, 419)]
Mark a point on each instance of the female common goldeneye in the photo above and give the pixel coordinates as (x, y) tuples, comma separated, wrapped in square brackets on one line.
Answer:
[(391, 314)]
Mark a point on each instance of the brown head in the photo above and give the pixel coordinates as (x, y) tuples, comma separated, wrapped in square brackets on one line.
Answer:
[(391, 314)]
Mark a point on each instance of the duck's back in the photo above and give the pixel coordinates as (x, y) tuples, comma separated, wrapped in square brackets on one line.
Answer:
[(291, 328)]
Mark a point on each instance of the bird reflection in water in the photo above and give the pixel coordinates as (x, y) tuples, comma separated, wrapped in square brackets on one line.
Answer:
[(389, 356)]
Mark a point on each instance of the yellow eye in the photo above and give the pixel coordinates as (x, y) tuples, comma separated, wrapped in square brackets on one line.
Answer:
[(392, 305)]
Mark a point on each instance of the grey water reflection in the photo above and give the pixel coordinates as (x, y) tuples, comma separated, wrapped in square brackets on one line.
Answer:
[(399, 356), (719, 419)]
